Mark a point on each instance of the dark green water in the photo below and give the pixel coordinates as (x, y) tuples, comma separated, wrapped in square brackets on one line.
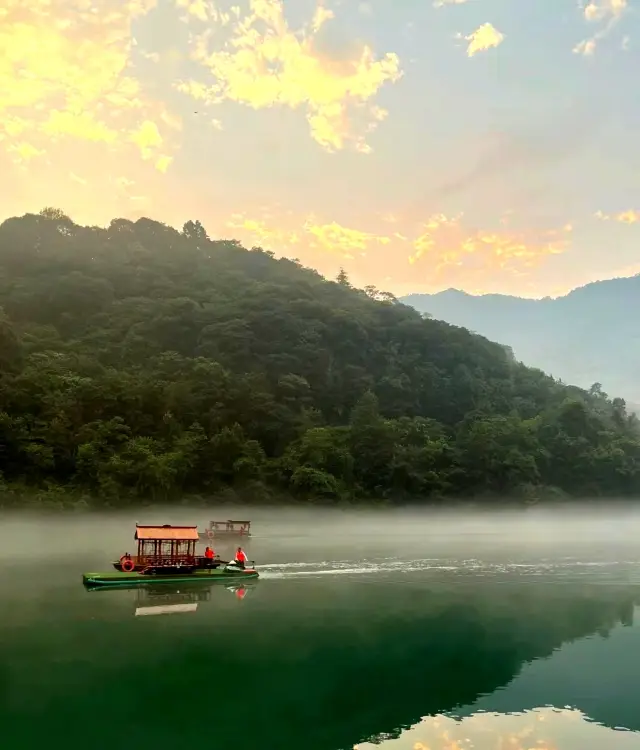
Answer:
[(398, 631)]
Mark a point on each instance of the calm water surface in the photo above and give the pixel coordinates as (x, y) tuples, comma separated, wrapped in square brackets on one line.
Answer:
[(394, 631)]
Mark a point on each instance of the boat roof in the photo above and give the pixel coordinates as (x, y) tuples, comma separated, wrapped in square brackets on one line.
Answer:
[(167, 533)]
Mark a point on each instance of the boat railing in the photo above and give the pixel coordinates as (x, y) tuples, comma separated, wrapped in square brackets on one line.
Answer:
[(167, 560)]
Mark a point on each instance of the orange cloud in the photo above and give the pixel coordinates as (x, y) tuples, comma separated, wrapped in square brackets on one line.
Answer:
[(624, 217), (267, 64), (257, 231), (443, 252), (483, 38), (64, 78), (340, 240), (446, 242), (309, 235)]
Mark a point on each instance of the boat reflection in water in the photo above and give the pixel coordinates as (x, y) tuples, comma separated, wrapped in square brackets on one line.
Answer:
[(167, 599)]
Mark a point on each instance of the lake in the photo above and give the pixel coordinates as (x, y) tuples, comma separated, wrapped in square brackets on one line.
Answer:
[(391, 630)]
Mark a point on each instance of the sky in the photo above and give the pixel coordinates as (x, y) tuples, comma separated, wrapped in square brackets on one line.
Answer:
[(486, 145)]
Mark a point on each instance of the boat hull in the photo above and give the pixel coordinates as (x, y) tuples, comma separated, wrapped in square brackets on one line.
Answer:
[(117, 578)]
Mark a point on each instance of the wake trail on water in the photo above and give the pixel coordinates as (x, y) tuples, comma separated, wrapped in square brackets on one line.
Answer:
[(564, 568)]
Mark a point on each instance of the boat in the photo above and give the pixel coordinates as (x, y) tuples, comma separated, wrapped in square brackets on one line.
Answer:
[(167, 554), (219, 529)]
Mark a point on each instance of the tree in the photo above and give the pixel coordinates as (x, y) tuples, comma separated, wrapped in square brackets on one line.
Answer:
[(343, 279), (193, 230), (11, 351)]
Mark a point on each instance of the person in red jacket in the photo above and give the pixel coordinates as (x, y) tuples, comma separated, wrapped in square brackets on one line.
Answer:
[(209, 554), (240, 559)]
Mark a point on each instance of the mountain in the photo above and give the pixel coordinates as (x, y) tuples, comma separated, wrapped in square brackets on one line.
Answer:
[(591, 335), (139, 361)]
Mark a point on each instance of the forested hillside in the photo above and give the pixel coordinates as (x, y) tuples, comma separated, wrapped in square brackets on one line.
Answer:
[(140, 361)]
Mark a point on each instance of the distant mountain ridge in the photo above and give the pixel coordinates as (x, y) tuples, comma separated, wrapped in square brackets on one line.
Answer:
[(590, 335)]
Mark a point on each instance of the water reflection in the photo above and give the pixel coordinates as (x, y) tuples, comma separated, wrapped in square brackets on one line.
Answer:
[(167, 598), (539, 729)]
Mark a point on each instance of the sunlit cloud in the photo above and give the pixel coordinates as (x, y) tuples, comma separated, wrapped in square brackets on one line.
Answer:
[(259, 232), (443, 250), (265, 63), (586, 47), (310, 236), (624, 217), (64, 79), (335, 238), (483, 38), (599, 10), (605, 12), (446, 242), (200, 9)]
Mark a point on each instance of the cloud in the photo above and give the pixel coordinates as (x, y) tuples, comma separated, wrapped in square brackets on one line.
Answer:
[(586, 47), (200, 9), (309, 236), (266, 64), (64, 79), (442, 251), (599, 10), (445, 242), (340, 240), (624, 217), (606, 12), (260, 232), (442, 3), (483, 38)]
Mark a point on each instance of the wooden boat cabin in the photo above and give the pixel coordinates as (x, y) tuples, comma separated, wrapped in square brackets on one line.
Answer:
[(163, 548), (219, 529)]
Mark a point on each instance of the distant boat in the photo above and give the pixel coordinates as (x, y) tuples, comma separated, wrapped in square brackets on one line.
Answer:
[(218, 529)]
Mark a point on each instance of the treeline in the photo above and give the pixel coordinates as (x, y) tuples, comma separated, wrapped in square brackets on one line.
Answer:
[(140, 361)]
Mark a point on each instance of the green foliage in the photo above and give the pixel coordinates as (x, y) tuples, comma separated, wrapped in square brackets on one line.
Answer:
[(140, 361)]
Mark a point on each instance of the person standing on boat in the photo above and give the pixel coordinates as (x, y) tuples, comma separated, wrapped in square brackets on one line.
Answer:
[(209, 554), (240, 559)]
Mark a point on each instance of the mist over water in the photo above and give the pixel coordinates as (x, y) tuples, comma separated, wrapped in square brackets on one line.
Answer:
[(399, 626), (313, 537)]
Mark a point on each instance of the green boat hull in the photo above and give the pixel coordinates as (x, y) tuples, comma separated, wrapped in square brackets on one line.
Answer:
[(198, 576)]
